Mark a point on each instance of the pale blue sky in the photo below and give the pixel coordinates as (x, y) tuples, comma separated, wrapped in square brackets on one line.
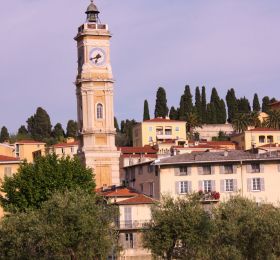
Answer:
[(169, 43)]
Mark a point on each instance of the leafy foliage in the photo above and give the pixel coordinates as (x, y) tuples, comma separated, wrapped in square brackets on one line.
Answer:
[(4, 134), (72, 129), (273, 120), (256, 103), (161, 108), (173, 114), (58, 132), (71, 225), (35, 183)]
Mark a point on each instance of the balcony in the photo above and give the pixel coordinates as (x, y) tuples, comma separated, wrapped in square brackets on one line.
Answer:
[(164, 136), (136, 224)]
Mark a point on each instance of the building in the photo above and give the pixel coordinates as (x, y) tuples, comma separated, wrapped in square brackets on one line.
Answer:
[(7, 149), (70, 148), (217, 175), (29, 150), (8, 166), (135, 211), (256, 137), (207, 132), (95, 108), (275, 105), (158, 130)]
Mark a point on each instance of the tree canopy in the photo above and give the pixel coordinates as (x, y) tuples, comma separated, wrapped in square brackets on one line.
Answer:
[(72, 129), (4, 134), (161, 108), (146, 113)]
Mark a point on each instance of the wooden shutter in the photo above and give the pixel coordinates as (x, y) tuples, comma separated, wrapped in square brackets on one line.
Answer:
[(262, 184), (249, 184), (222, 185), (189, 187), (200, 185), (249, 168), (200, 170), (235, 168), (261, 168), (212, 170), (213, 185), (222, 169), (189, 170), (235, 188), (177, 171)]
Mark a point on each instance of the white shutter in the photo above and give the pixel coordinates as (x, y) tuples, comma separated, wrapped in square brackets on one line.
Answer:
[(213, 186), (222, 186), (189, 170), (200, 170), (212, 170), (261, 168), (200, 185), (189, 187), (249, 184), (235, 188), (222, 169), (249, 168), (262, 184), (177, 187), (234, 168)]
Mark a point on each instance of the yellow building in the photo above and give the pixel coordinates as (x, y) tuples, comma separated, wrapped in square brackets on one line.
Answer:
[(8, 166), (7, 149), (29, 150), (256, 137), (95, 106), (217, 175), (159, 130), (66, 149)]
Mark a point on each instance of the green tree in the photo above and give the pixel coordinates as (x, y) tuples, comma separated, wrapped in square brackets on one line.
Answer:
[(198, 103), (243, 105), (71, 225), (232, 106), (203, 105), (22, 130), (173, 114), (254, 119), (241, 122), (116, 124), (72, 129), (58, 132), (146, 114), (186, 104), (211, 114), (35, 183), (193, 121), (265, 104), (126, 139), (179, 229), (222, 112), (218, 108), (273, 120), (161, 108), (256, 103), (4, 135), (245, 230)]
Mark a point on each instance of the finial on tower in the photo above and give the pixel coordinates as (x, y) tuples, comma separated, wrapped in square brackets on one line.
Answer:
[(92, 13)]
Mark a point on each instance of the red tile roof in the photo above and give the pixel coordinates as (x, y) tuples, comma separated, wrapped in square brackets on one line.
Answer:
[(159, 119), (29, 142), (139, 199), (263, 129), (4, 158), (139, 150), (150, 155), (61, 145), (270, 145), (275, 103), (118, 192)]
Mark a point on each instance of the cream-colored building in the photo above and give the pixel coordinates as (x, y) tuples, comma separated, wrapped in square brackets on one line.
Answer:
[(7, 149), (135, 211), (256, 137), (65, 149), (29, 150), (8, 166), (256, 176), (208, 131), (95, 107), (158, 130)]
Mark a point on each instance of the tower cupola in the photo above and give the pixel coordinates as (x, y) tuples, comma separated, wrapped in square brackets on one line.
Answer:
[(92, 13)]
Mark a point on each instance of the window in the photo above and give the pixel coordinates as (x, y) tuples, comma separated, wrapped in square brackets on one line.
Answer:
[(256, 184), (159, 130), (129, 240), (183, 187), (177, 129), (150, 139), (142, 187), (262, 139), (183, 170), (151, 187), (270, 139), (8, 171), (62, 150), (99, 111), (72, 149), (255, 168), (229, 185), (278, 138), (140, 170), (150, 129), (168, 131), (228, 169), (207, 186), (206, 169), (151, 168)]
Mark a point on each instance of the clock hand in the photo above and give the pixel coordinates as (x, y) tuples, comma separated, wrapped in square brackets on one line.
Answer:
[(96, 58)]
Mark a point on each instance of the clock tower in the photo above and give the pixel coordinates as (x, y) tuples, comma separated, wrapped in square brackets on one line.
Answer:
[(95, 108)]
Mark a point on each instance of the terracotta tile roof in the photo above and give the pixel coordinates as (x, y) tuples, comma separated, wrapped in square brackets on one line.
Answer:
[(61, 145), (270, 145), (139, 150), (275, 103), (139, 199), (4, 158), (139, 156), (220, 143), (263, 129), (118, 192), (158, 119), (29, 142)]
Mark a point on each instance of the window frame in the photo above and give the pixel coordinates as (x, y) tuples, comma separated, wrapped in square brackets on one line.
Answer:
[(207, 184), (229, 185), (256, 184), (99, 111)]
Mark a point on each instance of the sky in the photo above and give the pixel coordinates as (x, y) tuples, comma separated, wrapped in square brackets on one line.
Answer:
[(169, 43)]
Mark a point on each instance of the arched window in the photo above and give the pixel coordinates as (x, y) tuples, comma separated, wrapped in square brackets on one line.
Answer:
[(99, 111)]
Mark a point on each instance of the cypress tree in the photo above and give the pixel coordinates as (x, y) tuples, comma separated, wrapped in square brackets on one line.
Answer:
[(116, 124), (265, 104), (173, 114), (231, 104), (22, 130), (72, 129), (161, 108), (203, 105), (256, 103), (243, 105), (211, 114), (198, 103), (58, 132), (146, 114), (215, 102), (4, 135), (222, 112), (186, 104)]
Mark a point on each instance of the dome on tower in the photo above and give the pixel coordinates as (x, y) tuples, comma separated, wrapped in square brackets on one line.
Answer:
[(92, 8), (92, 13)]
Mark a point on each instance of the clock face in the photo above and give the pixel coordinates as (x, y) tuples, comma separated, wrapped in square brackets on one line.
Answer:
[(97, 56)]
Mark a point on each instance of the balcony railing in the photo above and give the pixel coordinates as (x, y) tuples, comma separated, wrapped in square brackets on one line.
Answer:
[(136, 224), (164, 136)]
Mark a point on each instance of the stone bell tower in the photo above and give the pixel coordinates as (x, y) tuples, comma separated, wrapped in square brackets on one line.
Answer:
[(95, 108)]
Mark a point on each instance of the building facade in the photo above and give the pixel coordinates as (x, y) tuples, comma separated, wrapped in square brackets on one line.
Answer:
[(158, 130), (95, 108), (228, 173), (207, 132)]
